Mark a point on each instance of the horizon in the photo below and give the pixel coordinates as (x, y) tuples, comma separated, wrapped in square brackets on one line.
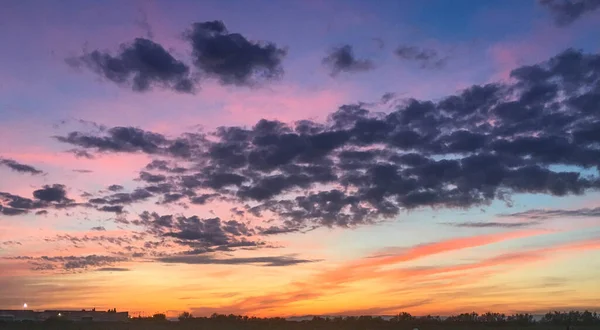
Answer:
[(537, 315), (300, 157)]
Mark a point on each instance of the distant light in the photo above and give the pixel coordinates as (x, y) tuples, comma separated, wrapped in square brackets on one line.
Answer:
[(25, 305), (59, 314)]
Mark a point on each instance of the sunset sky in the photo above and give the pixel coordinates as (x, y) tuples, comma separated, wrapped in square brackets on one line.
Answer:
[(281, 158)]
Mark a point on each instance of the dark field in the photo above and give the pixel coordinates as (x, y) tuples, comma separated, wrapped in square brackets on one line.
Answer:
[(285, 325), (404, 321)]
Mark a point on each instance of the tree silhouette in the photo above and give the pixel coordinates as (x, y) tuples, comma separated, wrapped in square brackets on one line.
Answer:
[(402, 317), (185, 316)]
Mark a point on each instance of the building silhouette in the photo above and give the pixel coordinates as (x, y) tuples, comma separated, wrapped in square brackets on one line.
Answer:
[(68, 315)]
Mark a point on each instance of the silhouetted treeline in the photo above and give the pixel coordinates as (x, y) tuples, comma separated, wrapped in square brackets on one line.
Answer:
[(557, 318), (573, 320)]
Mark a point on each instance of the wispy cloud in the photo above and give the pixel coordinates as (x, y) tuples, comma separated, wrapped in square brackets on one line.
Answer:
[(539, 214), (427, 58), (492, 224), (19, 167), (273, 261), (112, 269)]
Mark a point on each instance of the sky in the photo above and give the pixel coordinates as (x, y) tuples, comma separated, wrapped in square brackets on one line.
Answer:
[(300, 157)]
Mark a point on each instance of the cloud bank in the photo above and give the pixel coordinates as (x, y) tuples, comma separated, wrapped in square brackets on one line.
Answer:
[(485, 143)]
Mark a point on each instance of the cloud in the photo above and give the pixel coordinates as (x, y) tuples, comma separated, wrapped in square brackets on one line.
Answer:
[(115, 187), (427, 58), (533, 135), (18, 167), (566, 12), (50, 196), (203, 199), (275, 261), (99, 228), (82, 171), (141, 65), (199, 235), (54, 193), (111, 208), (9, 243), (152, 178), (492, 224), (11, 211), (163, 165), (122, 198), (388, 268), (132, 139), (81, 153), (101, 239), (70, 263), (230, 57), (556, 213), (113, 269), (396, 255), (275, 230), (342, 59)]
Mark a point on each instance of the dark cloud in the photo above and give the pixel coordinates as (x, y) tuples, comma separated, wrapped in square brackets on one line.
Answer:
[(427, 58), (152, 178), (87, 261), (566, 12), (102, 239), (53, 196), (232, 58), (533, 135), (342, 59), (54, 193), (113, 269), (208, 232), (165, 166), (492, 224), (19, 167), (142, 65), (119, 139), (123, 198), (158, 188), (203, 199), (81, 153), (115, 187), (111, 208), (556, 213), (201, 235), (11, 211), (171, 198), (99, 228), (276, 230), (132, 139), (275, 261), (71, 263)]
